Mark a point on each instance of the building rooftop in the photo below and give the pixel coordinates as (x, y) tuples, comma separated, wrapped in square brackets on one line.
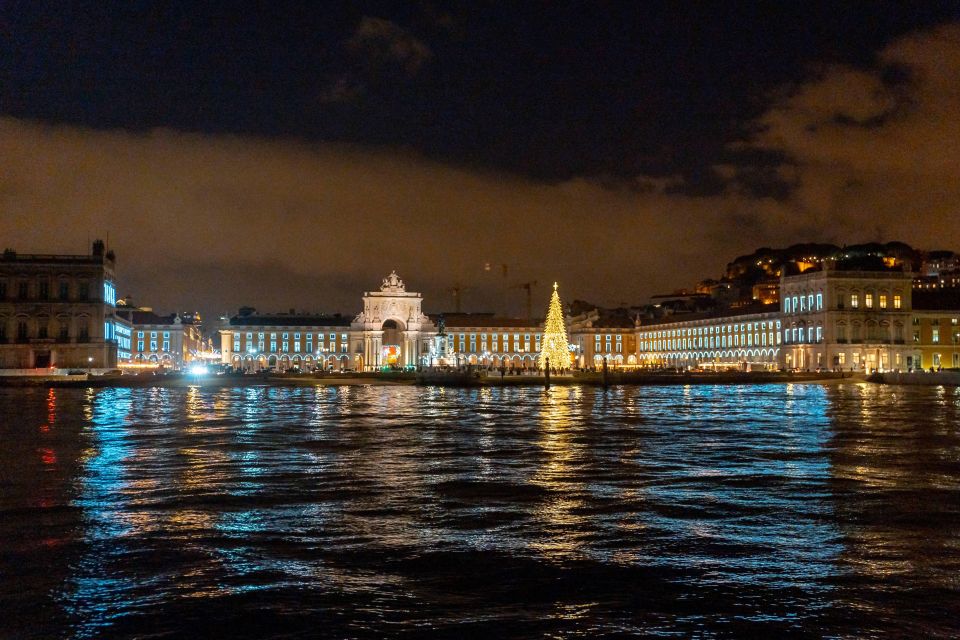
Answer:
[(142, 316), (709, 315), (290, 320), (97, 255), (464, 320)]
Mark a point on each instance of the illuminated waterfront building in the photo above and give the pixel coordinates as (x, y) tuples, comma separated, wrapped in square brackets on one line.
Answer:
[(161, 341), (599, 335), (58, 311), (828, 318), (253, 342), (743, 339), (934, 333), (839, 319), (934, 340)]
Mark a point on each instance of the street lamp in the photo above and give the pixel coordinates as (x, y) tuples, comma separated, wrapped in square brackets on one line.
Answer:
[(89, 365)]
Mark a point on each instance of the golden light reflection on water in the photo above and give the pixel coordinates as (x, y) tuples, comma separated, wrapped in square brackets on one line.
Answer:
[(558, 425)]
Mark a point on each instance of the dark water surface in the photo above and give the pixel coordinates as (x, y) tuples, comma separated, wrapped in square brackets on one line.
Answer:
[(367, 512)]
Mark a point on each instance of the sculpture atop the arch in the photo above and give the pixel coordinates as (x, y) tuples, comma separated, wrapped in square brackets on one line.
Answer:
[(393, 283)]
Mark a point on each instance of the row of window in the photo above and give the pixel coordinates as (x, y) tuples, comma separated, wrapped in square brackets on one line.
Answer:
[(42, 331), (802, 304), (494, 344), (42, 290), (768, 338), (814, 302), (721, 329), (868, 301), (307, 345), (954, 336), (801, 335)]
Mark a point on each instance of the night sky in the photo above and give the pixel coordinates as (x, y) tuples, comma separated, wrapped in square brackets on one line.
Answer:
[(292, 155)]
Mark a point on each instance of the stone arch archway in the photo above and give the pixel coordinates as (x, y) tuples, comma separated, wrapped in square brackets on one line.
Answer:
[(391, 342), (391, 317)]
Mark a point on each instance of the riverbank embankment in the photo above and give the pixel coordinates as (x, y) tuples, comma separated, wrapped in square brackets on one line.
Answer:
[(918, 378), (432, 378)]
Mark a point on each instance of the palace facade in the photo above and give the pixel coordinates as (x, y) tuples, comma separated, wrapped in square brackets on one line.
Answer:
[(58, 311), (391, 331), (828, 318)]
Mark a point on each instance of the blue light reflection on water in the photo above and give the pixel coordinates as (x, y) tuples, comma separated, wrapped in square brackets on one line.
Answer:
[(95, 594), (577, 512)]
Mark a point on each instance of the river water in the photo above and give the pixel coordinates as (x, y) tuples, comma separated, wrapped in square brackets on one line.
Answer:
[(368, 512)]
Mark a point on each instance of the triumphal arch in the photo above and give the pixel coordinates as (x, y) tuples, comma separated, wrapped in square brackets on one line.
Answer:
[(392, 324)]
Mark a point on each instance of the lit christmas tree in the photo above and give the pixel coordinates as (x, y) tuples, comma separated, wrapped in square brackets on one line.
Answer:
[(555, 336)]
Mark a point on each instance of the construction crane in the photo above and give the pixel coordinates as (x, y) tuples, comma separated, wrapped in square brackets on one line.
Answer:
[(528, 287), (457, 292)]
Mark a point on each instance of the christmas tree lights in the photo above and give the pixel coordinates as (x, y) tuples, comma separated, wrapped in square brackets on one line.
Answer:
[(554, 345)]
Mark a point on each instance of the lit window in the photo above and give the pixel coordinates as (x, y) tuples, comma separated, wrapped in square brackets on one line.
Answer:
[(883, 301), (109, 293), (868, 300), (854, 301), (896, 302)]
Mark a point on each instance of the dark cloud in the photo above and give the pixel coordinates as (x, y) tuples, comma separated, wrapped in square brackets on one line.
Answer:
[(867, 149), (382, 42), (216, 221), (316, 222)]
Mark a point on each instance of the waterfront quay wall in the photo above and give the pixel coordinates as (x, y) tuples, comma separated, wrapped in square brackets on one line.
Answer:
[(924, 378)]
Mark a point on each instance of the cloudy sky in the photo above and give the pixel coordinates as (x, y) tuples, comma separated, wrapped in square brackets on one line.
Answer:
[(292, 158)]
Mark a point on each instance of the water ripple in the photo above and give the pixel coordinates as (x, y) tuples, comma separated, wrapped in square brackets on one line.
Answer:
[(782, 510)]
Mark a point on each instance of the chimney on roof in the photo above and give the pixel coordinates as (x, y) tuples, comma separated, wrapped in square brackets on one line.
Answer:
[(98, 247)]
